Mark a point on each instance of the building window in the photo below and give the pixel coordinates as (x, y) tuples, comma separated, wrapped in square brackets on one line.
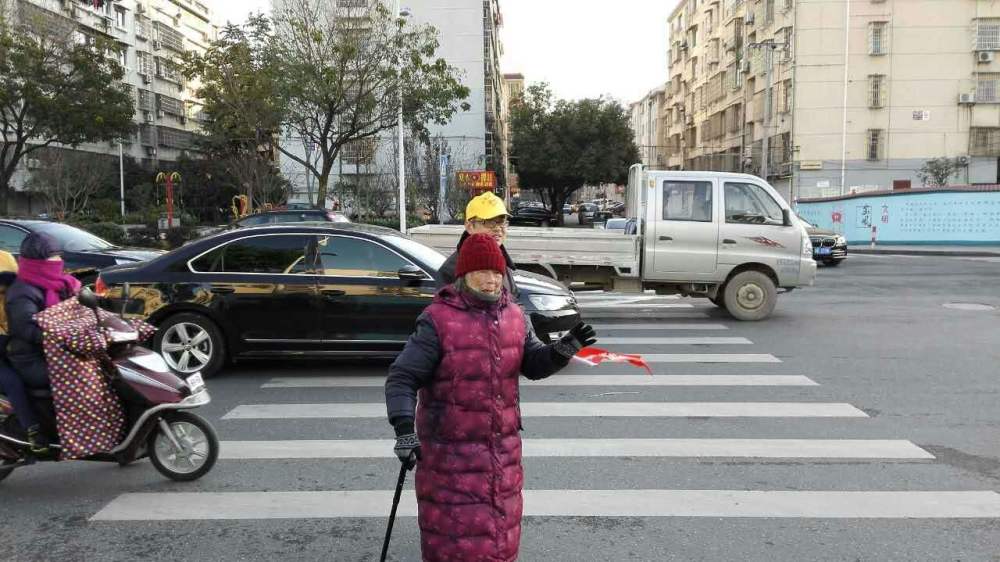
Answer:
[(875, 141), (876, 91), (123, 57), (357, 152), (985, 141), (119, 17), (988, 34), (878, 38), (768, 12), (987, 88), (786, 97)]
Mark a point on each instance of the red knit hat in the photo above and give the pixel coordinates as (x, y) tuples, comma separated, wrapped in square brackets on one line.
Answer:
[(479, 252)]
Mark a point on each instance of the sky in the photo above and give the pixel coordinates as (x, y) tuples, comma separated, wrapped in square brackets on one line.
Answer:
[(608, 48)]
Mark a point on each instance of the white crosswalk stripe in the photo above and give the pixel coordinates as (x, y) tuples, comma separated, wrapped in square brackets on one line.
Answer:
[(569, 380), (570, 409), (630, 321), (674, 341), (563, 503), (652, 327), (700, 448)]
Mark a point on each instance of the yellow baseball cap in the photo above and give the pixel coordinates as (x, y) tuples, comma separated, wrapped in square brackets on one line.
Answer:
[(485, 207)]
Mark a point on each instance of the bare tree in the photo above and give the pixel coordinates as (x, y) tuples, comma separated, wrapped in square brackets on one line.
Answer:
[(68, 179)]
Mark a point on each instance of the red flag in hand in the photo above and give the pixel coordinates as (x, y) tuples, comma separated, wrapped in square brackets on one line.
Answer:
[(594, 356)]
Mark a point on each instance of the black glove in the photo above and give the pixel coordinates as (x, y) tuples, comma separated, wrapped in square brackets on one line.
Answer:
[(407, 445), (581, 336)]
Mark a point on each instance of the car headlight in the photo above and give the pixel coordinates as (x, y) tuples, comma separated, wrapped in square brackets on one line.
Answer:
[(841, 241), (550, 302)]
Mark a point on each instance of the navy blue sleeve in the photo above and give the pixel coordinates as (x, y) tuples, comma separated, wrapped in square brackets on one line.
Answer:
[(540, 361), (21, 322), (413, 369)]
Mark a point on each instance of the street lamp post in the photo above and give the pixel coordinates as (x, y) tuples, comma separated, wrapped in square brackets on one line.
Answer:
[(401, 13), (121, 175)]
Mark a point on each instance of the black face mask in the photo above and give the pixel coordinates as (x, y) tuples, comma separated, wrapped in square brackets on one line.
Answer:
[(485, 297)]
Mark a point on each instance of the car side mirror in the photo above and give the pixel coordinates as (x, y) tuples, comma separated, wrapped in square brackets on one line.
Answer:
[(786, 216), (87, 298), (411, 273)]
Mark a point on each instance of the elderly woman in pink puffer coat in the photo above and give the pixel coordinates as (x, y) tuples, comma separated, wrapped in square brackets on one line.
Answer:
[(469, 347)]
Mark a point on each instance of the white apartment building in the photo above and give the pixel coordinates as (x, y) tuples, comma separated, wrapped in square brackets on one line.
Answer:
[(151, 36), (860, 93), (469, 35), (648, 127)]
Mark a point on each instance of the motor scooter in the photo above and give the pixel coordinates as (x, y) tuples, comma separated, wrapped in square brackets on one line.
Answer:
[(181, 445)]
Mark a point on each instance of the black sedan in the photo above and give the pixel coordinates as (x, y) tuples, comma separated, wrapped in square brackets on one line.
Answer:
[(829, 247), (527, 214), (298, 290), (83, 253)]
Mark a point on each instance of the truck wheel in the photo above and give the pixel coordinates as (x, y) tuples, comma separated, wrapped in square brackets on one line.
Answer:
[(750, 296)]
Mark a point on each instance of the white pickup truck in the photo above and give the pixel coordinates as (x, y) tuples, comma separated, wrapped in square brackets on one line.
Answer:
[(730, 238)]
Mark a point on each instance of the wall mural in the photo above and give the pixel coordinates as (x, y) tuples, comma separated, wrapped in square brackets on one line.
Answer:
[(918, 218)]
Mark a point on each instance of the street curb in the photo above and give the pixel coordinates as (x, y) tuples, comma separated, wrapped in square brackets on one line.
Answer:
[(952, 253)]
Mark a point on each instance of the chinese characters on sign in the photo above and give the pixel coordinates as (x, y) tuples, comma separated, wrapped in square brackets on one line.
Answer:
[(477, 180), (865, 216)]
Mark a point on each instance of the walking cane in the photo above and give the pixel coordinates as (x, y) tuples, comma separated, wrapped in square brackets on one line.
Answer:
[(403, 468)]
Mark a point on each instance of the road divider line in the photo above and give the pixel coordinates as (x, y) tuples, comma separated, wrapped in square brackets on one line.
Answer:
[(568, 380), (674, 341), (571, 409), (675, 448), (204, 506), (657, 326)]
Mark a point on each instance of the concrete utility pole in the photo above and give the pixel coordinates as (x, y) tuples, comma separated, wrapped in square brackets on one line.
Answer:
[(768, 47)]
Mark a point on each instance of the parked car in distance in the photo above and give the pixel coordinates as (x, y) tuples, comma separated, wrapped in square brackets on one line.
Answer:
[(281, 216), (567, 209), (588, 213), (531, 214), (616, 224), (314, 289), (83, 253), (829, 248)]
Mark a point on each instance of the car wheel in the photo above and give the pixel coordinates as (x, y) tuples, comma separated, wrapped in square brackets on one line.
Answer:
[(191, 343), (5, 469), (750, 296), (832, 263)]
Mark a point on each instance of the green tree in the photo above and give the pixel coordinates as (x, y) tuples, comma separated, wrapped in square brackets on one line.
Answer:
[(241, 106), (938, 171), (57, 87), (560, 146), (329, 77)]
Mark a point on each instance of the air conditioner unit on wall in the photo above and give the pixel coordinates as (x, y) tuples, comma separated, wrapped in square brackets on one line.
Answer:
[(984, 57), (966, 99)]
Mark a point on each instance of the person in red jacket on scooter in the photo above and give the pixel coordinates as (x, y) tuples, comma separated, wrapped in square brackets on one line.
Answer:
[(464, 359)]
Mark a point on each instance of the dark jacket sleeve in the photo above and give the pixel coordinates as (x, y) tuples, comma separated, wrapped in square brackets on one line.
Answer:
[(20, 319), (540, 361), (413, 369), (447, 269)]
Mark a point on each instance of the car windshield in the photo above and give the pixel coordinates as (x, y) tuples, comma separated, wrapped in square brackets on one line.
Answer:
[(424, 254), (72, 239)]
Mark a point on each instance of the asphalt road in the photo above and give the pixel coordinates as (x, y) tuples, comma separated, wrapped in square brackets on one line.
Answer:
[(896, 398)]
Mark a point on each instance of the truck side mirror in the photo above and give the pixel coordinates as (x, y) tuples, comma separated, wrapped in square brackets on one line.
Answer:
[(786, 216)]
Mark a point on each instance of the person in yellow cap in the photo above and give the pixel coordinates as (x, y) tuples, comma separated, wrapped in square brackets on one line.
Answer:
[(485, 214)]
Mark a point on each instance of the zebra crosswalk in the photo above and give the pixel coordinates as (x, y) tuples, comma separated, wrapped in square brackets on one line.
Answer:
[(567, 425)]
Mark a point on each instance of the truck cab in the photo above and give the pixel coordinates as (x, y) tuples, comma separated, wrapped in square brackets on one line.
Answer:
[(728, 237)]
